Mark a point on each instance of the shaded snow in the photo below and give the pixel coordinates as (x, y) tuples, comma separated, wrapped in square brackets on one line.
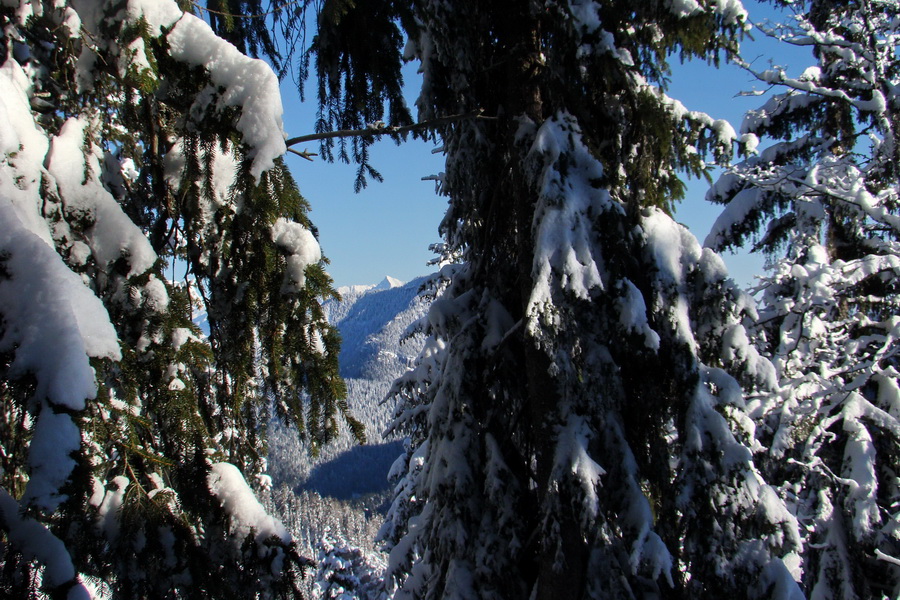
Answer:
[(36, 542)]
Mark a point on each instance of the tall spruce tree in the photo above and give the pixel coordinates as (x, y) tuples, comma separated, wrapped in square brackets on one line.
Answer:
[(136, 144), (822, 202), (577, 425)]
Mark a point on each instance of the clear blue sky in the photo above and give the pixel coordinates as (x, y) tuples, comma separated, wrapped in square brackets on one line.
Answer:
[(386, 229)]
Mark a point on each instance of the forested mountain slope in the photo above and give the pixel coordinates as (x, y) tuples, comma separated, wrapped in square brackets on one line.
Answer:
[(372, 322), (346, 483)]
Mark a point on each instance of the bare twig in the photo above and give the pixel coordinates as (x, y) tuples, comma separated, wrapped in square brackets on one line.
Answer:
[(275, 10), (303, 154), (381, 129)]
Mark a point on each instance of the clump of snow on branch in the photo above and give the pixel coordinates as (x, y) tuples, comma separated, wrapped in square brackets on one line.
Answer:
[(731, 12), (247, 515), (113, 233), (302, 250), (36, 542), (563, 248), (247, 83), (63, 324)]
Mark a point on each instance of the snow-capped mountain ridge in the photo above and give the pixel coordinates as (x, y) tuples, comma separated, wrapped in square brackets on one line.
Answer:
[(385, 284), (388, 283), (373, 321)]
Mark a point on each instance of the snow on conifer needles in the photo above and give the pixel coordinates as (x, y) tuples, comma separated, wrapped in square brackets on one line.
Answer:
[(598, 411), (132, 136), (821, 200), (577, 426)]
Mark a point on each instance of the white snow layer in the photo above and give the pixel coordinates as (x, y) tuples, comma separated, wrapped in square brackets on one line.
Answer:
[(572, 455), (226, 483), (113, 233), (248, 83), (674, 248), (37, 543), (389, 283), (56, 437), (53, 335), (23, 146), (61, 325), (735, 212), (859, 468), (108, 503), (633, 314), (302, 250), (563, 233), (685, 8)]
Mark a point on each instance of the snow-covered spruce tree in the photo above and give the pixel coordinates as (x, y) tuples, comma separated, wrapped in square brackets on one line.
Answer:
[(346, 572), (822, 202), (576, 424), (133, 141)]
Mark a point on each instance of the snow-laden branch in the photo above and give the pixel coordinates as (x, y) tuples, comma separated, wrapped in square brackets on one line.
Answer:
[(36, 542), (862, 199), (813, 38), (857, 196), (887, 558), (877, 104)]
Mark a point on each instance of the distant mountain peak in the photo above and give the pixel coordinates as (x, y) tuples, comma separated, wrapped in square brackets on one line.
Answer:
[(356, 290), (388, 283)]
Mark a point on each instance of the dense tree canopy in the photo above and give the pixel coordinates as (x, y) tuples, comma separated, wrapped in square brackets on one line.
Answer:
[(577, 428), (822, 201), (136, 144), (598, 412)]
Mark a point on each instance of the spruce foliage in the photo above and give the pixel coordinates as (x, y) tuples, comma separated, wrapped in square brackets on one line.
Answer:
[(357, 52), (576, 424), (140, 181), (578, 421), (821, 201)]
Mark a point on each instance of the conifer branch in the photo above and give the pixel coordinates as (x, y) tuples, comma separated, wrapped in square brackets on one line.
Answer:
[(145, 455), (886, 557), (379, 129), (230, 15)]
